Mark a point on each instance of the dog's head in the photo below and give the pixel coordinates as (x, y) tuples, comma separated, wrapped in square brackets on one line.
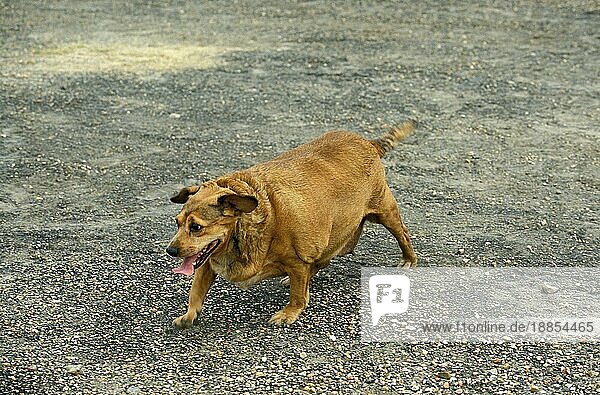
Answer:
[(206, 223)]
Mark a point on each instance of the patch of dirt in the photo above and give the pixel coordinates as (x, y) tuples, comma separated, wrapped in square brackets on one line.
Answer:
[(83, 57)]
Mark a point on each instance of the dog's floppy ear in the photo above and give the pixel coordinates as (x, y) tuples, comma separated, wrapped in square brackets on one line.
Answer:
[(184, 194), (244, 204)]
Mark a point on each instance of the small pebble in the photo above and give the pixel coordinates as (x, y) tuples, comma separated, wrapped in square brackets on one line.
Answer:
[(549, 289), (74, 369), (134, 390)]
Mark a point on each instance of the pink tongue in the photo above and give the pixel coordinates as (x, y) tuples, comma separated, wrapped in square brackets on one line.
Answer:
[(187, 266)]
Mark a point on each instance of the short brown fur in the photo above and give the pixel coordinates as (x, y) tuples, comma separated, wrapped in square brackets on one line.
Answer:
[(289, 216)]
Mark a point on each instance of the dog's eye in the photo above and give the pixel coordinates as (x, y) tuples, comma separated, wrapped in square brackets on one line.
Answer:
[(195, 227)]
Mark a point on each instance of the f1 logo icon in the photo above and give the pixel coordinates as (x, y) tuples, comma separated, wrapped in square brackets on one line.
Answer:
[(388, 295)]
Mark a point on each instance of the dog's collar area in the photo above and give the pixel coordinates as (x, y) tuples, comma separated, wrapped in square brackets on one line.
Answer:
[(206, 252)]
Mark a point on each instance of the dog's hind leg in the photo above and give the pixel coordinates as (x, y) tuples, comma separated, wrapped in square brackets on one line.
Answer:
[(204, 277), (388, 215)]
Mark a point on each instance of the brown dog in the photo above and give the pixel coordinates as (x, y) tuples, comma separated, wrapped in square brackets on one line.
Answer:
[(286, 217)]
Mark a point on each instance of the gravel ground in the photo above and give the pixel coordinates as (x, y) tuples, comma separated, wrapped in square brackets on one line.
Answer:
[(106, 108)]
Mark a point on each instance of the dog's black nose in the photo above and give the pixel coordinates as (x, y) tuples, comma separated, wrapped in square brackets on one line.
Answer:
[(172, 251)]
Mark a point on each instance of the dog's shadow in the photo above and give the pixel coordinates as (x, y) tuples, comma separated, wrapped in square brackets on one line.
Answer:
[(229, 310)]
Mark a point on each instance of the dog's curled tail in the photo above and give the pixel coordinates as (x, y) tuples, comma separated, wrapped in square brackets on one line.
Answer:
[(388, 141)]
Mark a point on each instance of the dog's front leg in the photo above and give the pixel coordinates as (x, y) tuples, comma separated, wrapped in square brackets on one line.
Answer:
[(204, 277), (299, 294)]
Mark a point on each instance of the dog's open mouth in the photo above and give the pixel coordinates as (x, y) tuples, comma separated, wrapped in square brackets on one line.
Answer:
[(193, 262)]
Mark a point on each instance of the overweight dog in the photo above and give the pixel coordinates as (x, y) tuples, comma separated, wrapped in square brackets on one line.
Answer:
[(286, 217)]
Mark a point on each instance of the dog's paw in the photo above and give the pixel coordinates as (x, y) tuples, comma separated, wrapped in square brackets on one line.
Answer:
[(284, 317), (184, 322), (285, 282), (408, 263)]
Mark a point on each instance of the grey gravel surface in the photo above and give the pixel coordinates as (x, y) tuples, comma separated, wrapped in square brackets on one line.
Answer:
[(106, 108)]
